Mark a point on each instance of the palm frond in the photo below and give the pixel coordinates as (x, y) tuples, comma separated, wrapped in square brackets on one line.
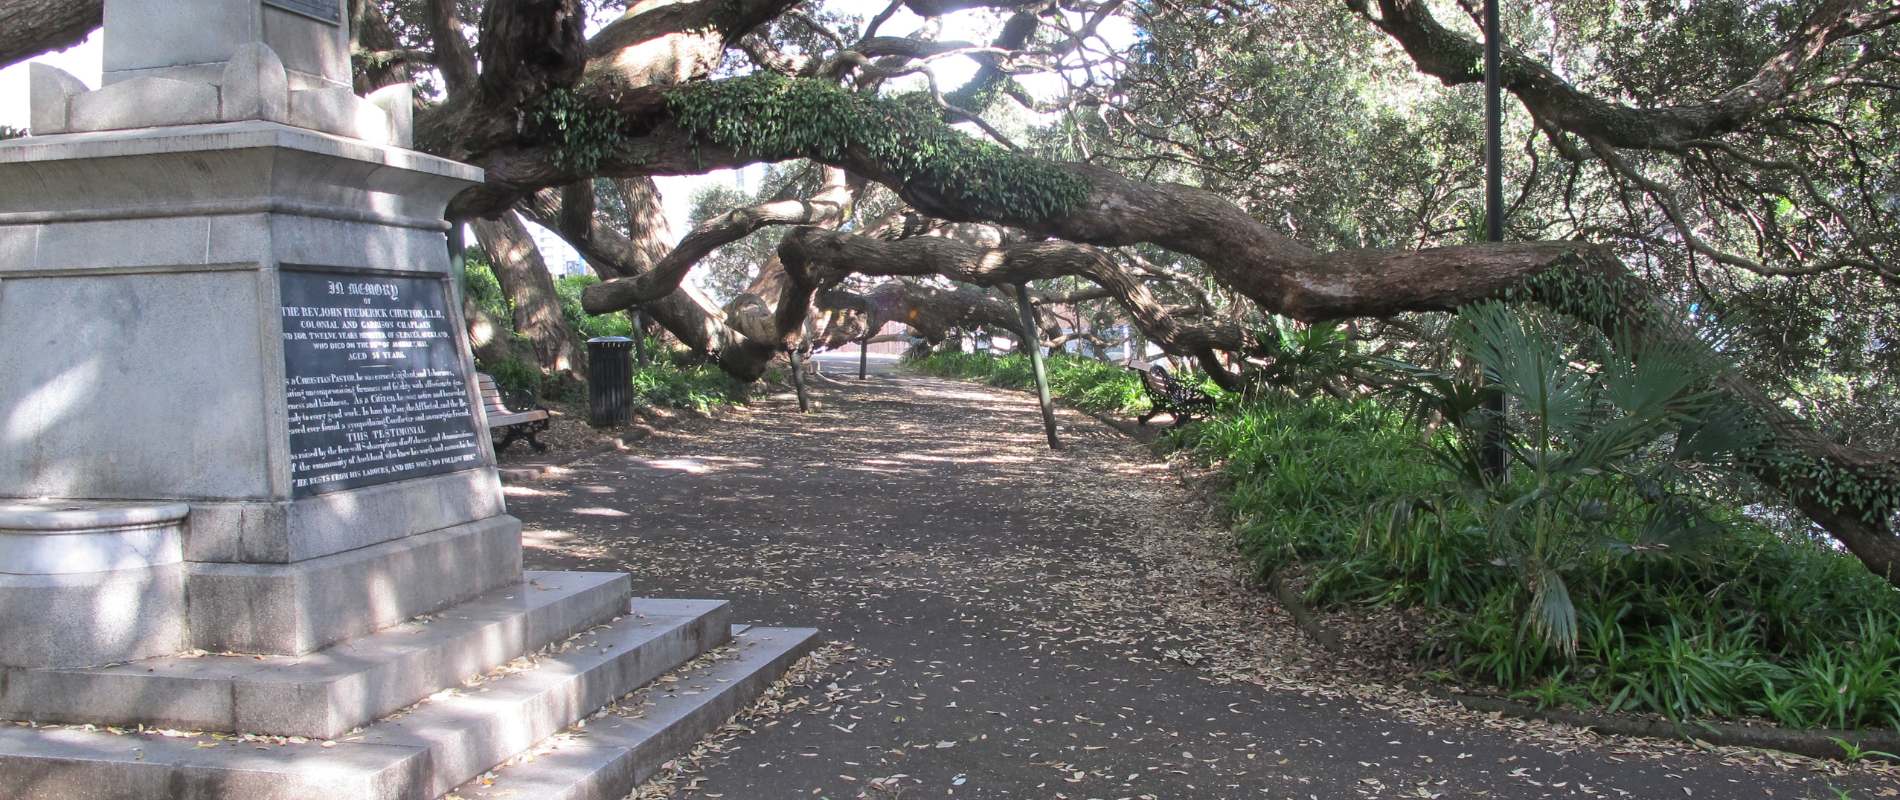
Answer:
[(1552, 615)]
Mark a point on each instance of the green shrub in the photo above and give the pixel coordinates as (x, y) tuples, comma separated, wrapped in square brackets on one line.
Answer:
[(1738, 620), (700, 387), (588, 326), (481, 286), (515, 376), (1084, 382), (479, 281), (1304, 474)]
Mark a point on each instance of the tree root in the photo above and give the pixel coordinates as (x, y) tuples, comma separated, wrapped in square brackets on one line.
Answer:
[(1302, 615)]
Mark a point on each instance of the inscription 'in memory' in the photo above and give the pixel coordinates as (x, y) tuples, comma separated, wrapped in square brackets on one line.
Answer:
[(373, 381)]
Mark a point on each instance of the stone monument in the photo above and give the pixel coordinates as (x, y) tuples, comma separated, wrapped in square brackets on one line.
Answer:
[(245, 485)]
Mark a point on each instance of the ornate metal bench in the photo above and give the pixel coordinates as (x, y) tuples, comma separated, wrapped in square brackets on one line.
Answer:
[(1170, 395), (512, 424)]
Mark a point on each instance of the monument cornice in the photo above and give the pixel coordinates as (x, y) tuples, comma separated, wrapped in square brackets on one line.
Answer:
[(250, 167)]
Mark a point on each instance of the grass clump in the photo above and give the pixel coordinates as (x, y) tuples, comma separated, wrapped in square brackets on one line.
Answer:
[(699, 387), (1083, 382)]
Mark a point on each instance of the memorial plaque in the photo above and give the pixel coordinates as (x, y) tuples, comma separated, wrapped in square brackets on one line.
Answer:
[(330, 11), (374, 381)]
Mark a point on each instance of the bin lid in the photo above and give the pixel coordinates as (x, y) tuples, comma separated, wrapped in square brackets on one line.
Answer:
[(600, 339)]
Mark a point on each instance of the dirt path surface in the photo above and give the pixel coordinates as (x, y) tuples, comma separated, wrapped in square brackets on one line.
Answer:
[(1026, 624)]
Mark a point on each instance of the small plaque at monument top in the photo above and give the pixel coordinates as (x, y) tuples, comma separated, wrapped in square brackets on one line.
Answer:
[(330, 11)]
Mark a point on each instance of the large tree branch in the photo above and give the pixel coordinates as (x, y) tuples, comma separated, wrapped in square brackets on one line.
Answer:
[(828, 207), (1278, 273), (530, 47), (671, 43), (31, 27), (455, 57), (689, 315), (931, 312), (1455, 58), (827, 257), (380, 56)]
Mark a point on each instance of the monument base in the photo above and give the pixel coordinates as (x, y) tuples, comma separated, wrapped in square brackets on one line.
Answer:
[(326, 693), (434, 741), (303, 606), (235, 357), (90, 583)]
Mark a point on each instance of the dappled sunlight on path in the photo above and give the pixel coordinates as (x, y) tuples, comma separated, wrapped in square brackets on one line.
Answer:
[(1032, 624)]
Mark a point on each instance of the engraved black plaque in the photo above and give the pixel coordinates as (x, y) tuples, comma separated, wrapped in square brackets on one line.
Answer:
[(373, 380), (330, 11)]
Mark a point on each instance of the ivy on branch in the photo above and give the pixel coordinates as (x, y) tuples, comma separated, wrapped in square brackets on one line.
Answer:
[(582, 132), (772, 117)]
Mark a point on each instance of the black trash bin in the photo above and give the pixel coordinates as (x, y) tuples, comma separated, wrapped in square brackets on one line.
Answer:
[(609, 380)]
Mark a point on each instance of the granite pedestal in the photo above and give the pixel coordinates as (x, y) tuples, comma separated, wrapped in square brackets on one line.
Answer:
[(245, 484)]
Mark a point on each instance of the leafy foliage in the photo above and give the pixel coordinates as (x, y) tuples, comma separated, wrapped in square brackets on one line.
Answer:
[(1087, 383), (1750, 623), (1303, 359), (584, 132), (699, 387), (589, 326), (515, 376), (774, 117), (481, 285), (1675, 606), (662, 384)]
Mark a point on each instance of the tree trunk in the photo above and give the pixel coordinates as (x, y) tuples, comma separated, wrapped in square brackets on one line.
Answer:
[(524, 277), (490, 337), (687, 313)]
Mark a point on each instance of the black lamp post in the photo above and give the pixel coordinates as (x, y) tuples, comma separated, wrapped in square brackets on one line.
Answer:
[(1493, 450)]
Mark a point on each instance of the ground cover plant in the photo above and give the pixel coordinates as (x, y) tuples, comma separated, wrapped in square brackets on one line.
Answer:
[(666, 381), (700, 387), (1595, 576), (1083, 382)]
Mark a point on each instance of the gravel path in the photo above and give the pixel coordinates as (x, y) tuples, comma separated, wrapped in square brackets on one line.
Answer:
[(1025, 624)]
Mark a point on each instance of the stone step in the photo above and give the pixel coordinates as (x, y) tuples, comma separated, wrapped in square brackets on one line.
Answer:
[(324, 694), (612, 755), (415, 754)]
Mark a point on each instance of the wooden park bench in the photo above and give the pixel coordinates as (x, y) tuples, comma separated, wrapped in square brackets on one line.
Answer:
[(512, 424), (1168, 394)]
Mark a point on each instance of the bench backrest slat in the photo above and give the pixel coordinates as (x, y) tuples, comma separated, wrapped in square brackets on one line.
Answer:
[(491, 395)]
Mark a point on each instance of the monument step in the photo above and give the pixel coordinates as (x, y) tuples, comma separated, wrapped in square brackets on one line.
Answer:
[(418, 753), (612, 754), (323, 694), (468, 731)]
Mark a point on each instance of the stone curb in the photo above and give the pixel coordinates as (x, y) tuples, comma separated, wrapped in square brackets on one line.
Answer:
[(1819, 744)]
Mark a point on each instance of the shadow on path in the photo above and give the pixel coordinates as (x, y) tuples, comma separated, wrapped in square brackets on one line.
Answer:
[(1030, 625)]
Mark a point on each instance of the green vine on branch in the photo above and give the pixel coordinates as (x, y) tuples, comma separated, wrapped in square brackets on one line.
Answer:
[(583, 133), (773, 117)]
